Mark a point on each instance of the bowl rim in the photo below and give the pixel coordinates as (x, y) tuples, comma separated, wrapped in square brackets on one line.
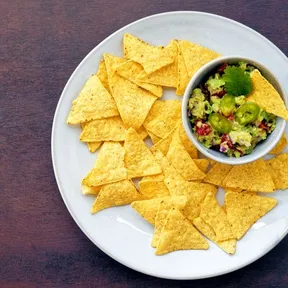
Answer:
[(205, 69)]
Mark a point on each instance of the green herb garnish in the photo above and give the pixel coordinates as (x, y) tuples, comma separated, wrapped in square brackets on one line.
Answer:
[(237, 82)]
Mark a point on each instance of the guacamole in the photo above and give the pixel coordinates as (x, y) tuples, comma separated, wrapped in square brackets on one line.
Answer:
[(220, 116)]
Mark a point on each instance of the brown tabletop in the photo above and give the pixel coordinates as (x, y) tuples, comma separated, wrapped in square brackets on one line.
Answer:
[(41, 43)]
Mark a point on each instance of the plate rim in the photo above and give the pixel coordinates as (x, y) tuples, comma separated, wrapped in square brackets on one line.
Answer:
[(55, 170)]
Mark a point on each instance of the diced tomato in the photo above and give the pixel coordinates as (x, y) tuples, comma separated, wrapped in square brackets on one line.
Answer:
[(222, 68), (220, 94), (231, 117), (263, 126), (226, 138), (202, 129)]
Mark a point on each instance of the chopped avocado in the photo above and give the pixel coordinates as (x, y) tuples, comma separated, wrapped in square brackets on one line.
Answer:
[(197, 104), (240, 100), (242, 65), (215, 103), (228, 105), (215, 84), (241, 137)]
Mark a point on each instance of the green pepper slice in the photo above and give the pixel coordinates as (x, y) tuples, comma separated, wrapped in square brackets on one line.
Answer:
[(227, 105), (247, 113), (220, 123)]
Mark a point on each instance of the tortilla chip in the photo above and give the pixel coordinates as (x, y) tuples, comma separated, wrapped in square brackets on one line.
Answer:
[(153, 189), (266, 96), (110, 129), (202, 164), (148, 208), (139, 160), (167, 118), (280, 145), (86, 190), (158, 177), (212, 162), (93, 146), (213, 215), (253, 176), (195, 56), (166, 76), (116, 194), (179, 234), (150, 57), (279, 170), (243, 210), (183, 78), (102, 75), (217, 173), (142, 133), (155, 139), (168, 169), (130, 69), (228, 246), (93, 102), (133, 102), (109, 166), (181, 160), (188, 145)]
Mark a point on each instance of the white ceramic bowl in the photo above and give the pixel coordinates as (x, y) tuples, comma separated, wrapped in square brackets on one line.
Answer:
[(262, 148)]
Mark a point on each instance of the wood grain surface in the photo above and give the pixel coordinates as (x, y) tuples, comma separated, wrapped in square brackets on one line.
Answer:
[(41, 43)]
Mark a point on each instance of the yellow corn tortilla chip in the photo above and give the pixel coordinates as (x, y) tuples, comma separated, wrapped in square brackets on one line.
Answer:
[(166, 76), (217, 173), (244, 209), (130, 69), (153, 189), (115, 194), (188, 145), (228, 246), (102, 75), (109, 166), (142, 133), (195, 192), (279, 170), (168, 169), (195, 56), (133, 102), (280, 145), (93, 102), (86, 190), (266, 96), (181, 160), (110, 129), (213, 215), (179, 234), (155, 139), (139, 160), (183, 78), (212, 162), (148, 208), (158, 177), (93, 146), (253, 176), (202, 164), (166, 119), (150, 57)]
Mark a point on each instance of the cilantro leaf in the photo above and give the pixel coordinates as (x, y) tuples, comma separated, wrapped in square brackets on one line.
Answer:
[(237, 82)]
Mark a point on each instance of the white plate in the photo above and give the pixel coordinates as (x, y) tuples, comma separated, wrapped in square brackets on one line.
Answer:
[(119, 231)]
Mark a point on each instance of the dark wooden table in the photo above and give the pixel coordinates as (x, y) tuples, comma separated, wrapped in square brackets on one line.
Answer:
[(41, 43)]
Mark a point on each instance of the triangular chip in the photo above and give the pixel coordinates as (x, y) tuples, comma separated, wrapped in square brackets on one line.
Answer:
[(166, 76), (158, 177), (153, 189), (279, 170), (280, 145), (93, 146), (191, 149), (181, 160), (139, 160), (202, 164), (217, 173), (214, 215), (93, 102), (109, 166), (228, 246), (244, 209), (130, 69), (86, 190), (133, 102), (102, 75), (179, 234), (195, 56), (150, 57), (142, 133), (167, 118), (116, 194), (110, 129), (266, 96), (253, 176), (148, 208), (183, 78), (155, 139)]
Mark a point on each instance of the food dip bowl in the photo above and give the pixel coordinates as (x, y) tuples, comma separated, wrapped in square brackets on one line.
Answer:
[(262, 148)]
